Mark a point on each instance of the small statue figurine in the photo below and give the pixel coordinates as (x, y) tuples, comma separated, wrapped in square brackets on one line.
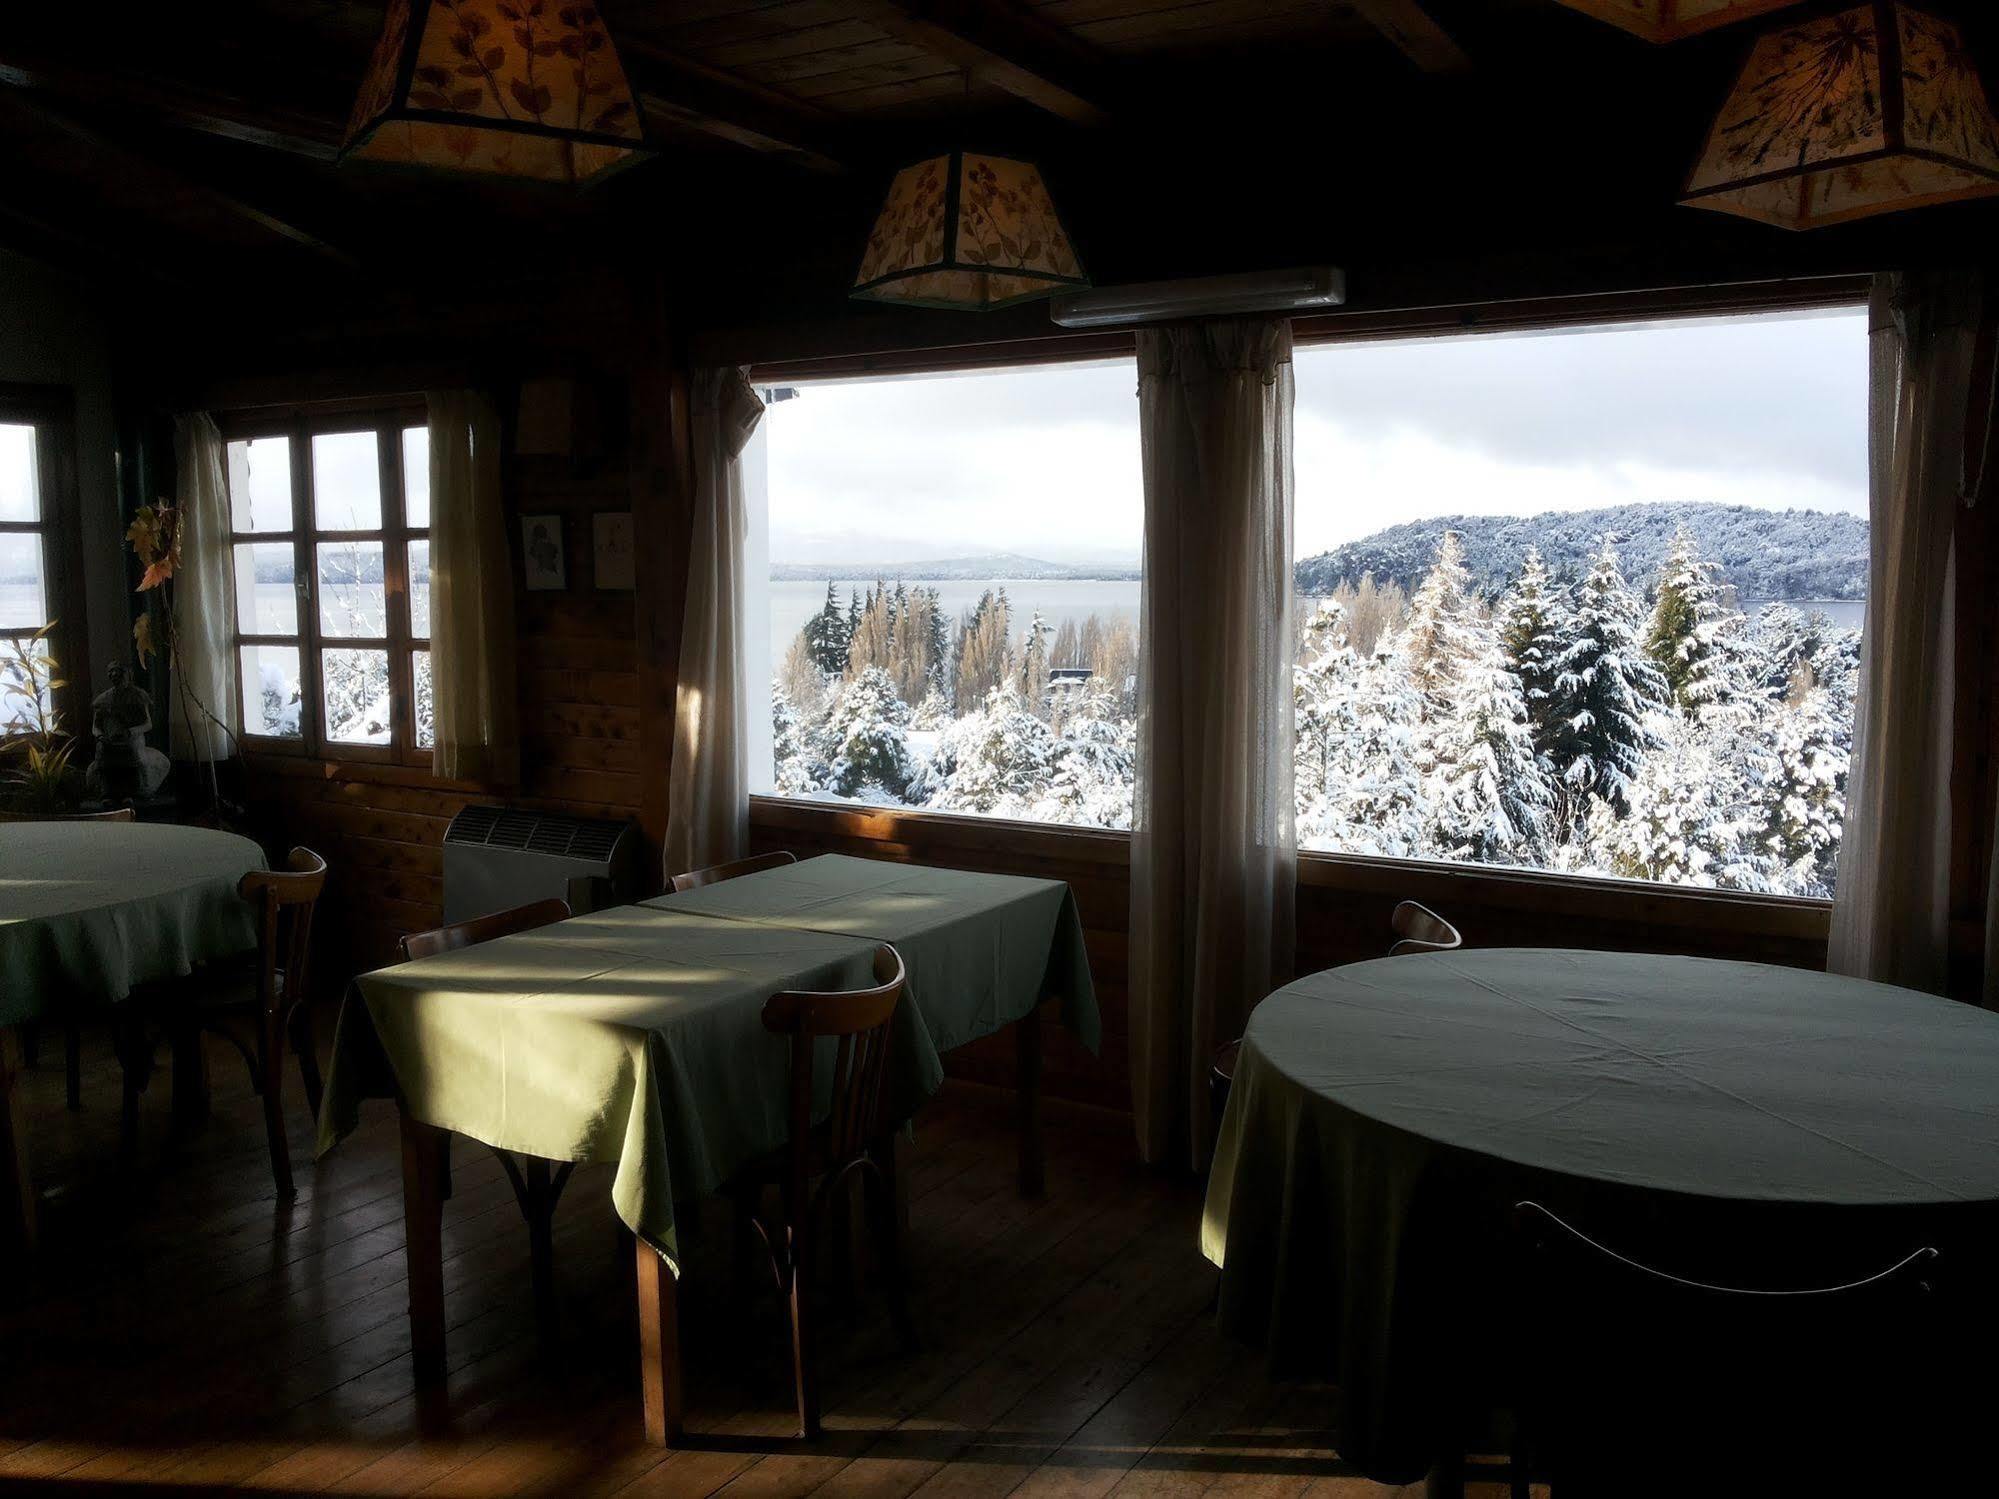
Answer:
[(125, 767)]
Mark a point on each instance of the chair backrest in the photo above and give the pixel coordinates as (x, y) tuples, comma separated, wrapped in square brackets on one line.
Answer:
[(1621, 1359), (860, 1019), (482, 929), (714, 874), (284, 899), (116, 814), (1419, 929)]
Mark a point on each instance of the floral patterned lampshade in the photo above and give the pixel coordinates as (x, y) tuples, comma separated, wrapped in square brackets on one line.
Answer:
[(517, 88), (1869, 110), (969, 231), (1669, 20)]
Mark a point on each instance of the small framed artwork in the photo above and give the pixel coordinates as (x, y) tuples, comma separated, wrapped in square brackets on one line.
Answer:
[(541, 552), (611, 549)]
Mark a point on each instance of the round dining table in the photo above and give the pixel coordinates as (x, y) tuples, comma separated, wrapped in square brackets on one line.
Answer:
[(91, 911), (1753, 1124)]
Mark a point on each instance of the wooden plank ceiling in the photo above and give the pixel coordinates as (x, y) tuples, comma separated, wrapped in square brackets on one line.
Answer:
[(189, 147)]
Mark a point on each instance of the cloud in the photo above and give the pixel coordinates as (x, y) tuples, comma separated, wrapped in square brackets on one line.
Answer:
[(1045, 461)]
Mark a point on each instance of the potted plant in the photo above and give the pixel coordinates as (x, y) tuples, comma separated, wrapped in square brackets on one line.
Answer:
[(39, 776)]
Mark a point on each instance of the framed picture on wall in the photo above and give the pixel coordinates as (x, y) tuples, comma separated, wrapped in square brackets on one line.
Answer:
[(611, 549), (541, 552)]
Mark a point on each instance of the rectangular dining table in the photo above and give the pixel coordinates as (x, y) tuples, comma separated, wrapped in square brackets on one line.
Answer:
[(634, 1037)]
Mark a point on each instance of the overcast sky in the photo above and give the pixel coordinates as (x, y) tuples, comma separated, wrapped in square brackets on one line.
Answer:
[(1770, 412)]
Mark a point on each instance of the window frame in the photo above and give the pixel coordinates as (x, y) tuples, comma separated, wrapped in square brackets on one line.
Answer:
[(51, 411), (1322, 868), (298, 426)]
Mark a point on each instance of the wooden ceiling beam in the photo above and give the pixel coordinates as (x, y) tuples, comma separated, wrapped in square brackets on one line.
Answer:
[(1415, 34), (228, 203), (211, 114), (995, 44), (682, 91)]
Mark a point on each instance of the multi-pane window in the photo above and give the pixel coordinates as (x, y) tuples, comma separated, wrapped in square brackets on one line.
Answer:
[(37, 572), (331, 522)]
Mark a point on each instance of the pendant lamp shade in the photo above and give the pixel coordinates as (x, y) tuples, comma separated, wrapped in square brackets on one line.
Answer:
[(1866, 111), (1670, 20), (515, 88), (967, 230)]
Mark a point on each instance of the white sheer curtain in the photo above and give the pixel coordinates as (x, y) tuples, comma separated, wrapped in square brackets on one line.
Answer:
[(1890, 917), (205, 710), (1214, 861), (708, 795), (471, 595)]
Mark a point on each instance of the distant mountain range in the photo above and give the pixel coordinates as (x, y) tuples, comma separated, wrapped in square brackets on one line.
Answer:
[(1764, 554), (1009, 565)]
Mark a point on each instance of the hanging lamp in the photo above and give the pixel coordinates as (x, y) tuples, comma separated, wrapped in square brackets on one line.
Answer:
[(1871, 110), (967, 230), (514, 88), (1670, 20)]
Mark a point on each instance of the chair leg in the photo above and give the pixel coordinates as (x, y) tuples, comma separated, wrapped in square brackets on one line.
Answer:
[(272, 1070), (135, 1063), (72, 1065), (881, 1195), (308, 1056), (804, 1336)]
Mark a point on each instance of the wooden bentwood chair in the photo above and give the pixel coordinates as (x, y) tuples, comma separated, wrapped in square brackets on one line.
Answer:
[(1417, 929), (271, 993), (714, 874), (850, 1142), (537, 1188), (72, 1032), (1630, 1379)]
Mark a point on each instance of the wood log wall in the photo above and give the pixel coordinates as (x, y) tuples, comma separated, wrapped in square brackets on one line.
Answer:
[(381, 828)]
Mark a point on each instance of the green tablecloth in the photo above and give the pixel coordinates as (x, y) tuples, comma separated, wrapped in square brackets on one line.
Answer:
[(90, 910), (1740, 1122), (631, 1035), (982, 949)]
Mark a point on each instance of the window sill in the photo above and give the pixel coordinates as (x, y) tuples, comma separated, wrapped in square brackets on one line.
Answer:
[(376, 772), (1587, 897)]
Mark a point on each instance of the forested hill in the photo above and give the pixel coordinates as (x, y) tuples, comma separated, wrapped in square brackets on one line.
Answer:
[(1765, 554)]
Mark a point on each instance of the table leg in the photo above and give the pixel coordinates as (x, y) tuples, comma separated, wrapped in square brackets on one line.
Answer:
[(659, 1345), (190, 1072), (1027, 1080), (423, 1243), (17, 1181)]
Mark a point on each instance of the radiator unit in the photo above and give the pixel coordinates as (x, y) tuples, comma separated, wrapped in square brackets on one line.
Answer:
[(496, 858)]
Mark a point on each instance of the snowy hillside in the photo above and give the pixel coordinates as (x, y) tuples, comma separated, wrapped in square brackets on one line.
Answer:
[(1763, 554)]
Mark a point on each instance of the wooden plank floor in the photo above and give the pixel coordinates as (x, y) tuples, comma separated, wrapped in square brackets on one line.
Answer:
[(184, 1334)]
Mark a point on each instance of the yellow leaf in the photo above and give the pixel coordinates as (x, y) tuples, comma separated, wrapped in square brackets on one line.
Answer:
[(142, 637)]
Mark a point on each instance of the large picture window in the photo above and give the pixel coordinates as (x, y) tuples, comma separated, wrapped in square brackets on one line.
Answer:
[(41, 594), (1587, 601), (330, 516), (952, 592)]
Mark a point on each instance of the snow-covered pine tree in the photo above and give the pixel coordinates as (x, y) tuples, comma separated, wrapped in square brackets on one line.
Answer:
[(1441, 635), (1805, 802), (1533, 629), (1685, 637), (1692, 817), (1489, 798), (1607, 692), (1095, 763), (1359, 786), (996, 759), (867, 736), (1034, 667), (826, 635)]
